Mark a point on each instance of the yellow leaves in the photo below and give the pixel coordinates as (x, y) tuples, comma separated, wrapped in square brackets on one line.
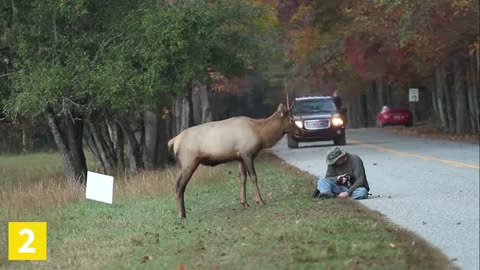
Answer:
[(303, 15), (235, 85), (307, 41), (166, 111), (461, 4), (461, 7), (269, 18), (475, 47), (304, 43)]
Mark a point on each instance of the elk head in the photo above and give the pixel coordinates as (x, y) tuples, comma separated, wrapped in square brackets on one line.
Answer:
[(288, 122)]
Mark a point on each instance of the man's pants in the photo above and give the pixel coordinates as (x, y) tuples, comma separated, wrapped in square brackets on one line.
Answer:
[(329, 186)]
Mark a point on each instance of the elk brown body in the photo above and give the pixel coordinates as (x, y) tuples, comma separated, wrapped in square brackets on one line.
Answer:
[(234, 139)]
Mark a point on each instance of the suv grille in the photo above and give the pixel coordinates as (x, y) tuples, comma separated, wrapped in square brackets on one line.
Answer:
[(317, 124)]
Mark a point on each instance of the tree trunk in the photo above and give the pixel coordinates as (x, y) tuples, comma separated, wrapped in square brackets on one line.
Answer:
[(434, 103), (163, 136), (151, 139), (379, 87), (69, 143), (357, 111), (92, 147), (24, 139), (201, 106), (388, 95), (460, 97), (118, 144), (472, 88), (136, 146), (476, 91), (351, 112), (189, 98), (440, 94), (371, 105), (74, 124), (181, 114), (101, 148), (104, 139), (449, 102)]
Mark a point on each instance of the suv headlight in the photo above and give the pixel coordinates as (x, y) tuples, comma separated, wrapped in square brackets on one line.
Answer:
[(299, 123), (337, 121)]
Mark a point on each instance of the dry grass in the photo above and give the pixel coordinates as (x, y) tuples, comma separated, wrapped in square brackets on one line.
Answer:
[(35, 196), (54, 192)]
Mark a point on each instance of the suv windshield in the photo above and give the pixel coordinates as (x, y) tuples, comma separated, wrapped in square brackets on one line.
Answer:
[(311, 106)]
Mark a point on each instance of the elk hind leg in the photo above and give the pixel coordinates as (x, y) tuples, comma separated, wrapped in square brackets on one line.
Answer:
[(183, 179), (253, 176)]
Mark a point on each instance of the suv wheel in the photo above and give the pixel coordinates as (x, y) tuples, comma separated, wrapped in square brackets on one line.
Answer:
[(291, 142), (340, 140)]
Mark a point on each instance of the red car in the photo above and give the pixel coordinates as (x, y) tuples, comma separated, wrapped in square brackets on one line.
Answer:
[(394, 116)]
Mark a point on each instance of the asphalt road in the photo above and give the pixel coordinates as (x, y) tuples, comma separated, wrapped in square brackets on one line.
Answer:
[(430, 187)]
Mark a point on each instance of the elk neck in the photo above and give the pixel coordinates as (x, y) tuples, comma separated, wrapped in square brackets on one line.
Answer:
[(270, 130)]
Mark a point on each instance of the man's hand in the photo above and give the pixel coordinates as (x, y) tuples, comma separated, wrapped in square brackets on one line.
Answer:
[(344, 195)]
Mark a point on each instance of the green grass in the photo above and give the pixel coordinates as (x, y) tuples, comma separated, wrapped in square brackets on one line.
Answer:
[(293, 231), (34, 167), (29, 167)]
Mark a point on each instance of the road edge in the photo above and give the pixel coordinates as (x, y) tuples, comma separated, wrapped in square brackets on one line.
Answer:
[(442, 261)]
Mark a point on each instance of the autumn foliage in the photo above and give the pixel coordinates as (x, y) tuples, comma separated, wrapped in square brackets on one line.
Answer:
[(393, 44)]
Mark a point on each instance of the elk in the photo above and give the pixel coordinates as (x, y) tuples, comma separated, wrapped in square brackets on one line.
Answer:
[(234, 139)]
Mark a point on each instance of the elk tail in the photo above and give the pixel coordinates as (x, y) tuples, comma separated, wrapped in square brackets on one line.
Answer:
[(171, 142)]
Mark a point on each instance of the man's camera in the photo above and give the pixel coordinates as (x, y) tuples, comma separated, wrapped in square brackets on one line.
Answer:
[(345, 180)]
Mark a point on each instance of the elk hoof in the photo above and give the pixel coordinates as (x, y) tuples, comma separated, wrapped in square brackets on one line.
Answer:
[(261, 202), (245, 205)]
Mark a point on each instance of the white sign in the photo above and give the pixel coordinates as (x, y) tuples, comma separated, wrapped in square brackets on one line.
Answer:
[(99, 187), (413, 95)]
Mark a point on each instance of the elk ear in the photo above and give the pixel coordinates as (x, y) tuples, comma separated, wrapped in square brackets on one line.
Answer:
[(282, 109)]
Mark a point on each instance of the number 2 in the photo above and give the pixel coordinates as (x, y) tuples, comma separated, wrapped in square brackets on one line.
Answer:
[(25, 248)]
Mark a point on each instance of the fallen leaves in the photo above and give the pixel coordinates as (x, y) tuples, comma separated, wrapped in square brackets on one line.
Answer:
[(428, 131), (144, 259)]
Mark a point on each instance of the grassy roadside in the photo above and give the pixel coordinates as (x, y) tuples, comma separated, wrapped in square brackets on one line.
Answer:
[(292, 231)]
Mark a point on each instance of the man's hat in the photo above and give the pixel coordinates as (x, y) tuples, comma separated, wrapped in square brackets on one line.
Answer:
[(334, 154)]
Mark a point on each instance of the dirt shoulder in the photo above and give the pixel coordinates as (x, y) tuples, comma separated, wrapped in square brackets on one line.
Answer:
[(424, 130)]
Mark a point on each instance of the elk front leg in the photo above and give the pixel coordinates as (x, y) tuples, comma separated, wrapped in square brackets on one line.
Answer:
[(181, 186), (253, 176), (243, 179)]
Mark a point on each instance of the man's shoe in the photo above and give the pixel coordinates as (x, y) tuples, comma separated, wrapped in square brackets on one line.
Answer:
[(326, 195), (315, 194)]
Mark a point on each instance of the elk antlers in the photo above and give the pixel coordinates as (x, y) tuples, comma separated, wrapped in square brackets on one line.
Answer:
[(289, 106)]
